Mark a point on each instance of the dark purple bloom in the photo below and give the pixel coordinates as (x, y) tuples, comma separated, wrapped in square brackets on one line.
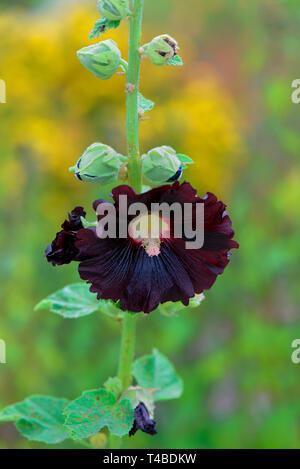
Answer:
[(142, 421), (63, 250), (144, 273)]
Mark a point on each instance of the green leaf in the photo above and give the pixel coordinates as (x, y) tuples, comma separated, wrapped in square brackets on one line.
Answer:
[(185, 160), (155, 371), (101, 26), (144, 104), (75, 301), (38, 418), (96, 409), (175, 60)]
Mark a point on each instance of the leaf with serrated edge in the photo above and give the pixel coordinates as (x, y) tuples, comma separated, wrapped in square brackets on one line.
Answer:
[(96, 409), (38, 418), (155, 371)]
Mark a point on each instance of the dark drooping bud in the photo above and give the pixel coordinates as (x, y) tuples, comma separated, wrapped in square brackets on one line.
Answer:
[(142, 421), (161, 49), (102, 59), (114, 9), (99, 164)]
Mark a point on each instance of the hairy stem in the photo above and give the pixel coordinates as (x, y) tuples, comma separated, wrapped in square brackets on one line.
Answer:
[(135, 179), (132, 88), (127, 349)]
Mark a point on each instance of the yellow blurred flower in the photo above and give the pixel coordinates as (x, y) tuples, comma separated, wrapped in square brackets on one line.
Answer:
[(55, 108)]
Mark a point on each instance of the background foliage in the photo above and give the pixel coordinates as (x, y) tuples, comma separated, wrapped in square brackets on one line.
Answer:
[(229, 108)]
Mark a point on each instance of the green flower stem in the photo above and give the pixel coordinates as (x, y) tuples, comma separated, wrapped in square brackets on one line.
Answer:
[(135, 179), (132, 88), (127, 349), (125, 362)]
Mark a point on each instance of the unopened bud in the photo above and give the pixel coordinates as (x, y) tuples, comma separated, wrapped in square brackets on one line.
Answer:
[(161, 49), (102, 59), (161, 164), (99, 163), (114, 9)]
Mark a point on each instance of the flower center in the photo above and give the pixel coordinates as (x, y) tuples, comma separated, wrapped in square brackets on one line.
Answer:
[(149, 230)]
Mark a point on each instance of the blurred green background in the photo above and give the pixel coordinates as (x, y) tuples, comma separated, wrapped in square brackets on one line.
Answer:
[(229, 108)]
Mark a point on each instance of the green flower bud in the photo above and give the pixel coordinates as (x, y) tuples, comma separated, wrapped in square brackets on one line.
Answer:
[(114, 9), (99, 163), (161, 164), (161, 49), (102, 59)]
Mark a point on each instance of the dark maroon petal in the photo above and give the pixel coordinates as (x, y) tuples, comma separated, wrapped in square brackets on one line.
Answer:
[(216, 218), (121, 269), (181, 193), (152, 196), (152, 277), (62, 250), (201, 276), (107, 264), (74, 222), (142, 421)]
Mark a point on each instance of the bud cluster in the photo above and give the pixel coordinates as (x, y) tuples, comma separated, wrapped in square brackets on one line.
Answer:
[(101, 163)]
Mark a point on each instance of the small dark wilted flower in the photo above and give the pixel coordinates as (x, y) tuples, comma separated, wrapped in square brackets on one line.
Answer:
[(99, 164), (62, 250), (161, 49), (102, 59), (161, 164), (142, 421)]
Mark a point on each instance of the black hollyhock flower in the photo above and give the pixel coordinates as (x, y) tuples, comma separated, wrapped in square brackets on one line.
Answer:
[(142, 421), (62, 250), (142, 273)]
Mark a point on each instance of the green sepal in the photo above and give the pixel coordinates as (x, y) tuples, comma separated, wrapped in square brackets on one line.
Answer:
[(176, 60), (185, 160)]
